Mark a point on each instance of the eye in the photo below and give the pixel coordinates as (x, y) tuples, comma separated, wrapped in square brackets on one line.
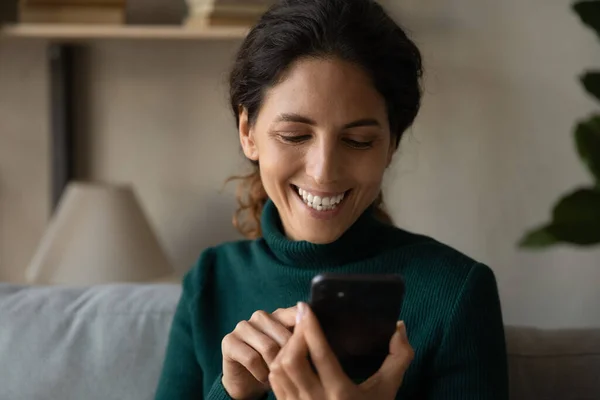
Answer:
[(358, 145), (294, 139)]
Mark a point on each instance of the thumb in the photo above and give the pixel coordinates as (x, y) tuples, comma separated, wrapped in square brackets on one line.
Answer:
[(399, 344), (396, 363)]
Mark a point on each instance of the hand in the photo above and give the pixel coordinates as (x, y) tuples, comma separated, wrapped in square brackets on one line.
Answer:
[(292, 377), (250, 349)]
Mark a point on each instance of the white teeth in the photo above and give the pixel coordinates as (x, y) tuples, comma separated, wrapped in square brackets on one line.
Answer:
[(320, 203)]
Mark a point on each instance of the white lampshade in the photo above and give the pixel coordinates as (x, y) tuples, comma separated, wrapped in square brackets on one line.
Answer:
[(99, 234)]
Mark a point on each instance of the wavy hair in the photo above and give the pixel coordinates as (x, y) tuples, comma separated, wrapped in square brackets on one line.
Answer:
[(356, 31)]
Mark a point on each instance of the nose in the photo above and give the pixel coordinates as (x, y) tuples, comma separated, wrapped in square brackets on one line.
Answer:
[(323, 161)]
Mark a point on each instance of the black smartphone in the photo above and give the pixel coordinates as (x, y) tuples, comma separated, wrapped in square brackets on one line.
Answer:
[(358, 314)]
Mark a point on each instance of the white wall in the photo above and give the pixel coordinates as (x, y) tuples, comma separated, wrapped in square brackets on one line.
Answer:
[(493, 150), (24, 154), (490, 153), (158, 118)]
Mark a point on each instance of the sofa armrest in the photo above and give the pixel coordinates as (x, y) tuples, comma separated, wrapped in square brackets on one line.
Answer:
[(553, 364)]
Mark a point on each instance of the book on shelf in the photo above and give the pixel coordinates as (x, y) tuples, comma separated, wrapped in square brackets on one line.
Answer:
[(211, 8), (204, 13), (72, 14), (8, 11), (106, 3), (231, 3), (198, 21)]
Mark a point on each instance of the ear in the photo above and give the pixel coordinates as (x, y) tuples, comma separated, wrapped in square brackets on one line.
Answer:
[(247, 136)]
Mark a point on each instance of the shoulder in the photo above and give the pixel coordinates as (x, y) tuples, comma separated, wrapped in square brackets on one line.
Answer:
[(214, 257), (440, 268), (423, 249)]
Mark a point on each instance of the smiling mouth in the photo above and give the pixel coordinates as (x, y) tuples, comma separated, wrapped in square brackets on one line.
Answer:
[(321, 203)]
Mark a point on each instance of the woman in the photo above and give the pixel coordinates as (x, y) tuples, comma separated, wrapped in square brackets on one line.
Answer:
[(322, 91)]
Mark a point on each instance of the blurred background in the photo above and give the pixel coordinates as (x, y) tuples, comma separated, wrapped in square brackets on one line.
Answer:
[(490, 153)]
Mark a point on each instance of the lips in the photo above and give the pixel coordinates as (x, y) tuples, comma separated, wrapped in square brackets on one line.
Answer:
[(320, 202)]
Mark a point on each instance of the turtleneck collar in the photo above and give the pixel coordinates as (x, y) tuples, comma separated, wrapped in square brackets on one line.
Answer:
[(360, 241)]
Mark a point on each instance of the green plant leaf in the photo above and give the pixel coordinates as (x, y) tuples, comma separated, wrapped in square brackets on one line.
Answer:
[(576, 220), (576, 217), (589, 12), (591, 82), (587, 137), (581, 205), (538, 238)]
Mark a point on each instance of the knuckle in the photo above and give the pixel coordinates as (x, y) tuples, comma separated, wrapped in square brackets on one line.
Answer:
[(259, 316), (278, 311), (276, 368), (288, 363), (241, 326), (226, 343)]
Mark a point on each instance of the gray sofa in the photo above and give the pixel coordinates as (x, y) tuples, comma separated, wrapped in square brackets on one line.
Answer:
[(108, 342)]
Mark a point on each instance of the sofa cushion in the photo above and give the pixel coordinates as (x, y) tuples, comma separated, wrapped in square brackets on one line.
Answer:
[(553, 364), (103, 342), (108, 342)]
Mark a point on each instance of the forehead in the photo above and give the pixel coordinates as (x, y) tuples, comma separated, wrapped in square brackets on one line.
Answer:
[(325, 88)]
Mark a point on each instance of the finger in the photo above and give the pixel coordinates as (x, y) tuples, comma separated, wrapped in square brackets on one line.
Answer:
[(280, 393), (263, 344), (391, 373), (279, 378), (284, 385), (399, 342), (236, 350), (325, 361), (294, 361), (286, 316), (271, 326)]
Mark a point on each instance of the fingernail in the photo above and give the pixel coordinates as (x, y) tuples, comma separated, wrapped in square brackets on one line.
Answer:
[(300, 312), (401, 328)]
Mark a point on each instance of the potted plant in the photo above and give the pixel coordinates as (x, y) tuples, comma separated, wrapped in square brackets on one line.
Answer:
[(576, 217)]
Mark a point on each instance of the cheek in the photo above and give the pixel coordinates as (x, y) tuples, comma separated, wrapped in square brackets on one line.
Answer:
[(274, 155), (369, 171), (278, 163)]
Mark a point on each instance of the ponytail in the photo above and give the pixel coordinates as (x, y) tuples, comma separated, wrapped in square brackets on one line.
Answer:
[(251, 199)]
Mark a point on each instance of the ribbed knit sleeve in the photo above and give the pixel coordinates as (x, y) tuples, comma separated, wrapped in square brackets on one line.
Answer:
[(181, 377), (471, 362), (217, 391)]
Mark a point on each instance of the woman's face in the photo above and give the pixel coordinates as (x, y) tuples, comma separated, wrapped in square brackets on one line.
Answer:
[(323, 142)]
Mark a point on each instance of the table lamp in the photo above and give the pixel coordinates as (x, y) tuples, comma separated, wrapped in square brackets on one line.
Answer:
[(99, 234)]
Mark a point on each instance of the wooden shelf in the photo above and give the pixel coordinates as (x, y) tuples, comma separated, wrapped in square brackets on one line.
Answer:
[(136, 32)]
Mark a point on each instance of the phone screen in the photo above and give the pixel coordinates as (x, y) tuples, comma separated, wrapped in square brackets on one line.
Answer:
[(358, 315)]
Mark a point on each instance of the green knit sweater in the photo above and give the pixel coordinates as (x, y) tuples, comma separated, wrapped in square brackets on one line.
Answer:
[(451, 307)]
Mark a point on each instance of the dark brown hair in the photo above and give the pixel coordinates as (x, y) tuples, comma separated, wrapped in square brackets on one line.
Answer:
[(357, 31)]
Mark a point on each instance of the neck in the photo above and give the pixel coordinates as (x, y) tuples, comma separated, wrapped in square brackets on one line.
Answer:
[(361, 240)]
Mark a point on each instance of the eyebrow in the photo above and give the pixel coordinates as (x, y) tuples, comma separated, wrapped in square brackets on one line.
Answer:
[(291, 117)]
